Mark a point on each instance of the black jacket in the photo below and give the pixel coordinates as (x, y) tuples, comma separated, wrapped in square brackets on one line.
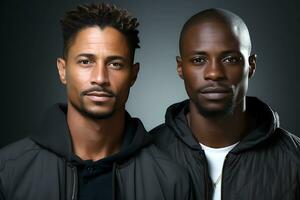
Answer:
[(264, 165), (41, 168)]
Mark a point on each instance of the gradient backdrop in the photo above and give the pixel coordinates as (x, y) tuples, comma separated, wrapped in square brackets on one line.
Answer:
[(31, 42)]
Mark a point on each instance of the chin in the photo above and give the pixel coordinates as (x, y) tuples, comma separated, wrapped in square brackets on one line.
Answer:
[(215, 113), (103, 114), (215, 110), (94, 111)]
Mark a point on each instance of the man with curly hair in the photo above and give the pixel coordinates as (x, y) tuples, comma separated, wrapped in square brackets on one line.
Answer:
[(91, 148)]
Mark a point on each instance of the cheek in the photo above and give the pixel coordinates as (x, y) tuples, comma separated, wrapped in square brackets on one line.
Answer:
[(77, 79), (239, 79), (237, 75), (120, 84), (193, 77), (120, 81)]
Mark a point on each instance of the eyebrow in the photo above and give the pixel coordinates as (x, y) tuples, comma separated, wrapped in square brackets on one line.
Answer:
[(89, 55), (224, 52), (109, 58)]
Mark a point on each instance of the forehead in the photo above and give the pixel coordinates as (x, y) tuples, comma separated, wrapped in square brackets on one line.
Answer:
[(211, 36), (95, 40)]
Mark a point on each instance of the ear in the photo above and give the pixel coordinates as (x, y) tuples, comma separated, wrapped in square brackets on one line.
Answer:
[(252, 65), (61, 67), (135, 70), (179, 66)]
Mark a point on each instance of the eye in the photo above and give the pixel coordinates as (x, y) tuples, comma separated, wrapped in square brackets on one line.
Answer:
[(232, 60), (85, 62), (115, 65), (199, 60)]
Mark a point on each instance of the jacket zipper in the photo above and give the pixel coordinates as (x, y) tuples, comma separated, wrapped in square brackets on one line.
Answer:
[(120, 186), (206, 176), (74, 188), (114, 182), (226, 158)]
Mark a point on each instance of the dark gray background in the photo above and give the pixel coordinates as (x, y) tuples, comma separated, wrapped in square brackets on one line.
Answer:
[(31, 42)]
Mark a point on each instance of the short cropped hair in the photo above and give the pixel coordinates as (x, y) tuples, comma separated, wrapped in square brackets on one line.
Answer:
[(215, 14), (101, 15)]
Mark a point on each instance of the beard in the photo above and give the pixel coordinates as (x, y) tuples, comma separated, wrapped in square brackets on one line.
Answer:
[(83, 107), (95, 115)]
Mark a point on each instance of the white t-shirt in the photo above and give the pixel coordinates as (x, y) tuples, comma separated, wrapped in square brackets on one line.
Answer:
[(215, 158)]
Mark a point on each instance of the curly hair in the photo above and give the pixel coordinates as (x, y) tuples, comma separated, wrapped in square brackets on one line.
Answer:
[(101, 15)]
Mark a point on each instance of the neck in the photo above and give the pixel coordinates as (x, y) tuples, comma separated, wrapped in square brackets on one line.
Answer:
[(94, 139), (220, 131)]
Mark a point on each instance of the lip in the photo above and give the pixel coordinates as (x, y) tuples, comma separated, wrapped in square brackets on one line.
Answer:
[(99, 96), (215, 93), (215, 90)]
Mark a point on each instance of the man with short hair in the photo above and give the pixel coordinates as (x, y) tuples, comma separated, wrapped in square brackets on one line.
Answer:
[(232, 145), (90, 148)]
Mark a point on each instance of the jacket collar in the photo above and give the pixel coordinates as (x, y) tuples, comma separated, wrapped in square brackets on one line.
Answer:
[(266, 122), (54, 134)]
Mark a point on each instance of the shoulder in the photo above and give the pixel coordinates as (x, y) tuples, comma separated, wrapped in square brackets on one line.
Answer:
[(18, 149), (19, 154), (151, 168), (288, 140), (161, 134), (288, 144), (160, 129), (163, 164), (14, 161)]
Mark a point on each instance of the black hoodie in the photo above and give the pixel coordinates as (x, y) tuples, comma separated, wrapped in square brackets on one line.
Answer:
[(43, 167), (264, 165)]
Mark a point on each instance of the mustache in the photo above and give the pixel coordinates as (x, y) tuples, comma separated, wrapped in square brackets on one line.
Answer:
[(215, 87), (98, 89)]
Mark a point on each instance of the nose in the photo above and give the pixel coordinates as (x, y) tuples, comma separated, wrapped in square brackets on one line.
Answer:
[(214, 71), (99, 75)]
